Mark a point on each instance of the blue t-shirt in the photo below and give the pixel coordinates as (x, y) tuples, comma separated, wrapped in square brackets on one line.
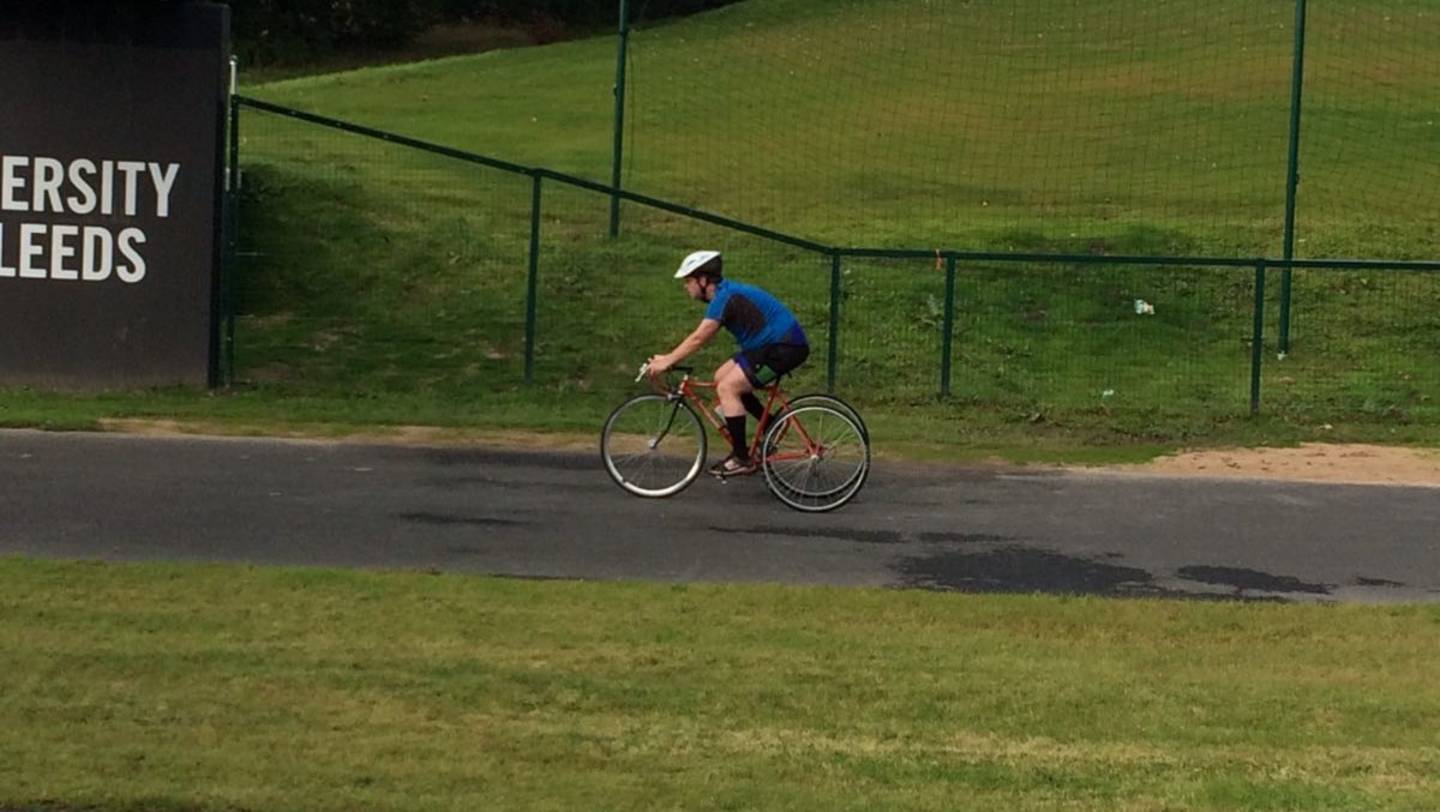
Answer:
[(753, 316)]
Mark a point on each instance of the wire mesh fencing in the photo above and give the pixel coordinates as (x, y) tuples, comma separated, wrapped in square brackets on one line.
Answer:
[(1365, 342), (370, 264)]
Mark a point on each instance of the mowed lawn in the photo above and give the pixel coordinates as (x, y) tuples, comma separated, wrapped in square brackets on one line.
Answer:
[(223, 687)]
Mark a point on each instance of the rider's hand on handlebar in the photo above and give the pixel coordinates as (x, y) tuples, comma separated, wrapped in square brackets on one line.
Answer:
[(659, 364)]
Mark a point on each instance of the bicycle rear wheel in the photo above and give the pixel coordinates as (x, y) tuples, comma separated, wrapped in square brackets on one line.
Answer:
[(653, 445), (815, 458)]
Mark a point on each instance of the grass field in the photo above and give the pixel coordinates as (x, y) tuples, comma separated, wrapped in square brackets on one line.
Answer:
[(131, 687)]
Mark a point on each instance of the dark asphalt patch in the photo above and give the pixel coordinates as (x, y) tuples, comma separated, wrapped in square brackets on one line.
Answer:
[(1021, 569), (1242, 579), (471, 521), (1363, 581), (869, 536), (965, 538)]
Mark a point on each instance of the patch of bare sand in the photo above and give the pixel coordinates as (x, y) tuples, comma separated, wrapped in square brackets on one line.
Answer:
[(1311, 462)]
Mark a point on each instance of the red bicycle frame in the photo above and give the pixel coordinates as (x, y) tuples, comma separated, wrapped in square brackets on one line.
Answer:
[(691, 390)]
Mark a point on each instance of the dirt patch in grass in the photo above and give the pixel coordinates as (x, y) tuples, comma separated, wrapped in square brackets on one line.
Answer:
[(1312, 462), (397, 435)]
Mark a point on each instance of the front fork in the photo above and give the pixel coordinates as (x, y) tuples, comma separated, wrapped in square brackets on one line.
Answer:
[(675, 400)]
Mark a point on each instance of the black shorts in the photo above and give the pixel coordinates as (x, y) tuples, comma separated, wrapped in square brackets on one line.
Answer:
[(765, 365)]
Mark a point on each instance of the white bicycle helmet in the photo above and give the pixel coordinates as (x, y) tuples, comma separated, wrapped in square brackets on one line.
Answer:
[(696, 261)]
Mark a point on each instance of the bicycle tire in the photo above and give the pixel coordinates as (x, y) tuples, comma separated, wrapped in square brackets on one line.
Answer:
[(818, 398), (825, 399), (631, 445), (815, 439)]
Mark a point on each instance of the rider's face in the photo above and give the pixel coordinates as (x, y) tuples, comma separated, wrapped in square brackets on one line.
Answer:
[(695, 288)]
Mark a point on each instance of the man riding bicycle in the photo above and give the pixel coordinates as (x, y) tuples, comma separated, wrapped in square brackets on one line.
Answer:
[(772, 343)]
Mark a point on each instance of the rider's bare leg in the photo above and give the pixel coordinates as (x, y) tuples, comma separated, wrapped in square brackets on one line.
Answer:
[(730, 385)]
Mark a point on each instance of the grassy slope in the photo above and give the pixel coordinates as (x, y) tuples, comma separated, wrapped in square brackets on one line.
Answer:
[(893, 122), (400, 278)]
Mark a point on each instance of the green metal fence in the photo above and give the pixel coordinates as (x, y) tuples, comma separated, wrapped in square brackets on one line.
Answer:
[(1192, 120), (518, 263)]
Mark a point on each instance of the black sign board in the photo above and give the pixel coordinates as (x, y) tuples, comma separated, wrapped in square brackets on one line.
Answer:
[(111, 143)]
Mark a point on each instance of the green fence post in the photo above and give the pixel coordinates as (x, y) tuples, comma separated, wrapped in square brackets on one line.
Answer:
[(619, 115), (949, 327), (532, 282), (232, 239), (832, 362), (1292, 175), (1257, 338)]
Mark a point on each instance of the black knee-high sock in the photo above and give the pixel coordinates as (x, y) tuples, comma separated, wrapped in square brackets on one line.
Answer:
[(753, 405), (736, 427)]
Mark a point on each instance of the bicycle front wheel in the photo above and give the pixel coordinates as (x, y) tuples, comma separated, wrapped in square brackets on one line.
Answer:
[(653, 445), (816, 458)]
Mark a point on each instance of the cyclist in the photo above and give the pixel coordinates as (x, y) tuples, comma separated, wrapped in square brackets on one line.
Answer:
[(772, 343)]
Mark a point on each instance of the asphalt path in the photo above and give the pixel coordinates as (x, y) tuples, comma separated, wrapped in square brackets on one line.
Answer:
[(557, 514)]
